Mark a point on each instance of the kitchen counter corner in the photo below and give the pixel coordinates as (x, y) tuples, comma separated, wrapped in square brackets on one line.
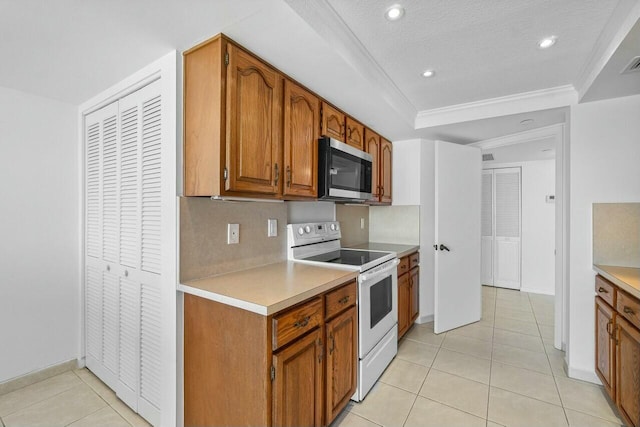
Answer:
[(627, 278)]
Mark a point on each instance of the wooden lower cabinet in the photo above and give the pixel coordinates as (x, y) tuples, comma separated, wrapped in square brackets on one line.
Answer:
[(342, 350), (618, 349), (408, 292), (296, 367), (297, 387)]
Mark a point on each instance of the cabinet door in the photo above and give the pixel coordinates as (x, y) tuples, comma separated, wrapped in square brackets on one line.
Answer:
[(253, 126), (355, 134), (385, 170), (297, 387), (605, 357), (404, 296), (628, 371), (342, 358), (414, 286), (301, 116), (332, 122), (372, 146)]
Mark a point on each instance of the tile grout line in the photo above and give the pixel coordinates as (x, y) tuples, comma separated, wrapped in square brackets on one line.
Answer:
[(109, 405), (493, 331)]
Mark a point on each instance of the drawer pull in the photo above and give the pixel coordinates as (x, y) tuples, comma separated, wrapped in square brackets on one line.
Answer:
[(628, 310), (344, 300), (302, 323), (603, 290)]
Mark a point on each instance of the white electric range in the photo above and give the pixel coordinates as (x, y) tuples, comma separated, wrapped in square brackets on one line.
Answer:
[(319, 243)]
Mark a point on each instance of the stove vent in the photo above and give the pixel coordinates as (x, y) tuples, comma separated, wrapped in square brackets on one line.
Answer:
[(487, 157), (634, 66)]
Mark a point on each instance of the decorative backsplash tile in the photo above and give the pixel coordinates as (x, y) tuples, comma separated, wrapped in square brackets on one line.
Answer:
[(616, 234)]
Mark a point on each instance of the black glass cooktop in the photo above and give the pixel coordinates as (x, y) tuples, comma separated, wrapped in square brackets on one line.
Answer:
[(348, 257)]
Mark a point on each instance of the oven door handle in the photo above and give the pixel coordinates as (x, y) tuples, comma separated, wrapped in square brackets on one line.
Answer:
[(394, 263)]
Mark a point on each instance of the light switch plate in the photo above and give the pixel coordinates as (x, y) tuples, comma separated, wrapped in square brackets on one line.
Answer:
[(272, 227), (233, 234)]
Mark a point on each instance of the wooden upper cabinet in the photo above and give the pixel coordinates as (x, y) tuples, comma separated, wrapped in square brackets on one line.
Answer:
[(333, 122), (385, 170), (254, 114), (372, 146), (301, 118), (355, 134)]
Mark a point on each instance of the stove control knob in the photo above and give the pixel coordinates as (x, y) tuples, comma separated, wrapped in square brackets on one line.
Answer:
[(333, 227), (337, 227), (301, 231), (307, 229)]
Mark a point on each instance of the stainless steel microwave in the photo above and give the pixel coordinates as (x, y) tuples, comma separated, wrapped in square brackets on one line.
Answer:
[(344, 172)]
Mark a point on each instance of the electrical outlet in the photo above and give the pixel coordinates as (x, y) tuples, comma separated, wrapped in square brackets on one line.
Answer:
[(362, 223), (272, 227), (233, 234)]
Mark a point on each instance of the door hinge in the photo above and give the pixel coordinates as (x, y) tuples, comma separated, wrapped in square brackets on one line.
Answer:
[(225, 174), (273, 372), (226, 58)]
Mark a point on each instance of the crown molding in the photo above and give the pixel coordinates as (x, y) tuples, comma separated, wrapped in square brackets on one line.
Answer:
[(622, 20), (553, 131), (560, 96), (325, 21)]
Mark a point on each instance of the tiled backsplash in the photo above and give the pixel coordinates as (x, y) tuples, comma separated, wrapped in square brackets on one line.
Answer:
[(350, 221), (203, 236), (616, 234), (394, 224)]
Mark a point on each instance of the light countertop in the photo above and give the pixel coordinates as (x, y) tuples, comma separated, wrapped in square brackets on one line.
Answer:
[(627, 278), (401, 250), (268, 289)]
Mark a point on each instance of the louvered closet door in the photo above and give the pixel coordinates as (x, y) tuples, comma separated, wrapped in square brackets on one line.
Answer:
[(487, 228), (506, 272)]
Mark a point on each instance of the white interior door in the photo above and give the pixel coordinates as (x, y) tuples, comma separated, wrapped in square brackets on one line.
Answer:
[(457, 293), (506, 270), (487, 228)]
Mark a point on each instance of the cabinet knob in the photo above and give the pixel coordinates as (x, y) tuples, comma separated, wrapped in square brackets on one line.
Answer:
[(603, 290)]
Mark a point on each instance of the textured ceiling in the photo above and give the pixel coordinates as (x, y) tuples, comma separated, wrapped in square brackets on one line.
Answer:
[(479, 49)]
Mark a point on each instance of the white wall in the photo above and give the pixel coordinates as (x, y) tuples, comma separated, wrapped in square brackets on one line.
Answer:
[(39, 229), (605, 154), (406, 172)]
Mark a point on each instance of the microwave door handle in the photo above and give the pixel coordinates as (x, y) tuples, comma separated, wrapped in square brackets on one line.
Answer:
[(393, 263)]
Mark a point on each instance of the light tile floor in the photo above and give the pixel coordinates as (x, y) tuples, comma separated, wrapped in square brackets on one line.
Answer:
[(501, 371), (75, 398)]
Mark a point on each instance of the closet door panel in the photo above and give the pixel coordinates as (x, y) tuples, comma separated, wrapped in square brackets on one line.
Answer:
[(487, 228), (507, 228)]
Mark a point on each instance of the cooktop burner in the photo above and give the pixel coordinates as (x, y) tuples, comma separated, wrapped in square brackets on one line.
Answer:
[(349, 257)]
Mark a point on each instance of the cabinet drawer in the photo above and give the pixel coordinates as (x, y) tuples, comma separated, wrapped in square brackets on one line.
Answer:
[(414, 259), (629, 307), (295, 322), (403, 267), (606, 291), (341, 298)]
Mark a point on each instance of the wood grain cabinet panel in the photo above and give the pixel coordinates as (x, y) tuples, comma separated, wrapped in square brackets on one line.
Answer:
[(618, 348), (301, 116), (372, 146), (414, 295), (336, 301), (355, 133), (605, 346), (342, 350), (403, 304), (408, 292), (297, 386), (295, 322), (385, 171), (333, 122)]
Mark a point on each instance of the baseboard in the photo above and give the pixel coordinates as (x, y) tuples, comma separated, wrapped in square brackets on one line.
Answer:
[(582, 374), (37, 376), (536, 291), (424, 319)]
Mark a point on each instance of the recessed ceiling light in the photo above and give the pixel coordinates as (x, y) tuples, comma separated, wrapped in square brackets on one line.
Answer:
[(526, 122), (429, 73), (547, 42), (394, 12)]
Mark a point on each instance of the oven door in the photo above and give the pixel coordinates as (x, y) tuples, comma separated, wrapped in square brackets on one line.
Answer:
[(378, 301)]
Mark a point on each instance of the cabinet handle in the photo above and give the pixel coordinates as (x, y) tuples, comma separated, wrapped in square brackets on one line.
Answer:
[(333, 344), (302, 323), (603, 290), (381, 191), (277, 174), (628, 310), (288, 176), (344, 300), (607, 328)]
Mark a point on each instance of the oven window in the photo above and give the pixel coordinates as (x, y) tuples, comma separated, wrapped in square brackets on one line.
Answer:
[(380, 300), (350, 172)]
